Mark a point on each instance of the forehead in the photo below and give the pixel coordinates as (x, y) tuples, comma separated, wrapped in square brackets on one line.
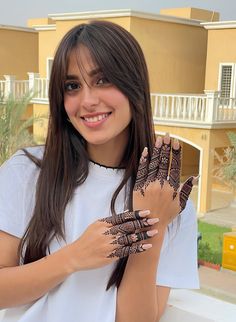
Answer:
[(81, 60)]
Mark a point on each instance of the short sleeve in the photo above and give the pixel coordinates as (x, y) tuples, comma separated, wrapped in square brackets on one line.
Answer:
[(177, 266), (16, 194)]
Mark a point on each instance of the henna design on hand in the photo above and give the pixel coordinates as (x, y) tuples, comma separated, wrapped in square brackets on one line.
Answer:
[(128, 227), (164, 163), (122, 218), (185, 192), (174, 177), (126, 251), (127, 240), (142, 172), (153, 165)]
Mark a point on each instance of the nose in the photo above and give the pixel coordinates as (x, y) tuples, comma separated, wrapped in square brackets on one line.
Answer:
[(89, 98)]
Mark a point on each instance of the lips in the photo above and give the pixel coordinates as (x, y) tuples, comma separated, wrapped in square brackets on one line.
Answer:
[(93, 119)]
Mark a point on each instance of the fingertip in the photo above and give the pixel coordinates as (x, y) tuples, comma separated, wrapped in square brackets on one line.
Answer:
[(146, 246)]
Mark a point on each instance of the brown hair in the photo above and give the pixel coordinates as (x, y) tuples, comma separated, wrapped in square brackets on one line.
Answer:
[(65, 162)]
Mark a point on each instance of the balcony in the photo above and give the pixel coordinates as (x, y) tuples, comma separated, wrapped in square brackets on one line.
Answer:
[(208, 110)]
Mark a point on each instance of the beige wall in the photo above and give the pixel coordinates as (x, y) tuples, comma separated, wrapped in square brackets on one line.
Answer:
[(191, 13), (18, 53), (221, 49), (49, 39), (175, 54)]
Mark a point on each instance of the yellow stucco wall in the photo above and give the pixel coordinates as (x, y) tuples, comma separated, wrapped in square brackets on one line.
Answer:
[(221, 49), (191, 13), (49, 39), (18, 53), (175, 54)]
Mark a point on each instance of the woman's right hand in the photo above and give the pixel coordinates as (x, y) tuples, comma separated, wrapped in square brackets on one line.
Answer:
[(111, 238)]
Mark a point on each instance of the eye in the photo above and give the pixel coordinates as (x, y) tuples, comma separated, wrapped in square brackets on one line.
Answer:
[(72, 86), (102, 80)]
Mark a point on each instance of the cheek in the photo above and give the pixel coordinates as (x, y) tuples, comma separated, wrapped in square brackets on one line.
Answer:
[(71, 106)]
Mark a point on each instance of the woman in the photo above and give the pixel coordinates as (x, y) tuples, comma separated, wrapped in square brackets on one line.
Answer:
[(64, 206)]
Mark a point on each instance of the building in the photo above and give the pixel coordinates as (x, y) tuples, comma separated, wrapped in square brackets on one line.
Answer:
[(191, 59)]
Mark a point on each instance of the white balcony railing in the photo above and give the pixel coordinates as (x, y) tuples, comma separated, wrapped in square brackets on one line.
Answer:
[(197, 110), (208, 108)]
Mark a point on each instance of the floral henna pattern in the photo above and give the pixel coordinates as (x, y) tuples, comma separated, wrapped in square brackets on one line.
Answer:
[(128, 227), (122, 218), (126, 251), (174, 177), (142, 172), (164, 163), (185, 192), (127, 240)]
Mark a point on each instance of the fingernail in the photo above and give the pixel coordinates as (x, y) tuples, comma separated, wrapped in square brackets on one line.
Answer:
[(195, 179), (146, 246), (158, 142), (176, 144), (151, 233), (153, 221), (145, 152), (167, 138), (144, 213)]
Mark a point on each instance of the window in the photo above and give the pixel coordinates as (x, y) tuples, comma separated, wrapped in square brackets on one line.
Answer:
[(226, 83)]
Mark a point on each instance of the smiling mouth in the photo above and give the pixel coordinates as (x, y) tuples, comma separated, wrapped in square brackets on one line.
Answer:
[(97, 118)]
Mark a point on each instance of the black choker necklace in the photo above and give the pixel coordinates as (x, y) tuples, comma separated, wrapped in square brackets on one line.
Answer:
[(104, 166)]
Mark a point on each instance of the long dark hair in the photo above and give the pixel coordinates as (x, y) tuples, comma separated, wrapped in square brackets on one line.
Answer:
[(65, 161)]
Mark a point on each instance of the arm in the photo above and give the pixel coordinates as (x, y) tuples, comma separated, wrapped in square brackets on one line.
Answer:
[(152, 191), (26, 283)]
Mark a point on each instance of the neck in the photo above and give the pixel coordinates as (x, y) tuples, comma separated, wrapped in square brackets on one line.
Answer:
[(109, 154)]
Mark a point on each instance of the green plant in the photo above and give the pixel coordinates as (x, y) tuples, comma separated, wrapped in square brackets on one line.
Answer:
[(210, 247), (15, 126)]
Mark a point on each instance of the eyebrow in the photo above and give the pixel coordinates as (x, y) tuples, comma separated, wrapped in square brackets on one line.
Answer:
[(92, 73)]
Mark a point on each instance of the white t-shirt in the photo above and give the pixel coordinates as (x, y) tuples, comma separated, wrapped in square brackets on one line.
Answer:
[(82, 297)]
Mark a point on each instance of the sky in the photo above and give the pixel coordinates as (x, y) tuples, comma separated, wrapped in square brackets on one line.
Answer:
[(17, 12)]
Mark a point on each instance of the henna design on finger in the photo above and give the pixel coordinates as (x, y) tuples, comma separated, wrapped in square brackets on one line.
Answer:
[(122, 217), (127, 240), (185, 192), (164, 163), (142, 172), (174, 177), (128, 227), (127, 250), (153, 165)]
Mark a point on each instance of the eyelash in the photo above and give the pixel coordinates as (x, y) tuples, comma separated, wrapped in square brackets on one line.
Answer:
[(72, 86)]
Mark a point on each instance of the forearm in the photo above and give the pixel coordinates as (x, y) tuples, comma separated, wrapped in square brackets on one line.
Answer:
[(26, 283), (137, 297)]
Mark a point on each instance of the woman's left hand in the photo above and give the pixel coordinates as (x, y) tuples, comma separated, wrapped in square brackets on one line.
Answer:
[(157, 186)]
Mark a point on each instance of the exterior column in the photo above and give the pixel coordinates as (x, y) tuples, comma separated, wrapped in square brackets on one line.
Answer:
[(32, 85), (207, 164), (212, 104), (9, 85)]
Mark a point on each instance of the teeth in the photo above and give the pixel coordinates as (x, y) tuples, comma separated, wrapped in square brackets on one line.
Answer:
[(96, 118)]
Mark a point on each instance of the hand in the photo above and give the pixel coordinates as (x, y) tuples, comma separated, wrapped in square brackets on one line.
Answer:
[(111, 238), (157, 186)]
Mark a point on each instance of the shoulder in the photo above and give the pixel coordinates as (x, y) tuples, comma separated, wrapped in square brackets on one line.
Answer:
[(189, 215), (19, 165)]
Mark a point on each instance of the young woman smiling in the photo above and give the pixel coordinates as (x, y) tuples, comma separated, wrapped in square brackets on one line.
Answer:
[(94, 226)]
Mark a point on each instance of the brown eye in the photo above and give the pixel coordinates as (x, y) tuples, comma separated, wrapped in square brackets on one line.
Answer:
[(72, 86)]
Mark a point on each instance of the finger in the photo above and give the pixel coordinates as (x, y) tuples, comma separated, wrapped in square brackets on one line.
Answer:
[(185, 192), (131, 226), (142, 172), (127, 240), (128, 250), (154, 162), (174, 177), (126, 216), (164, 160)]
